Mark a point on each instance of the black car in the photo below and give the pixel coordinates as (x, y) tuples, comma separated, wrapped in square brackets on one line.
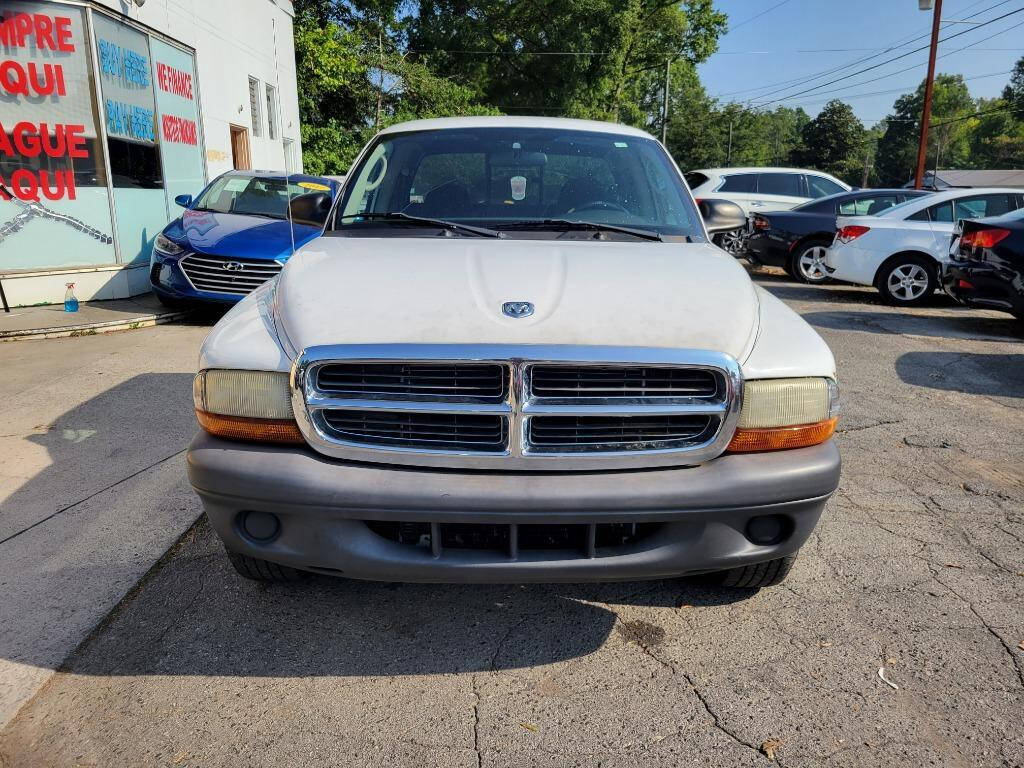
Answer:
[(796, 240), (988, 268)]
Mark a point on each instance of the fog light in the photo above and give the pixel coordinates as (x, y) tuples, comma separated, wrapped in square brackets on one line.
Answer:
[(261, 526), (767, 529)]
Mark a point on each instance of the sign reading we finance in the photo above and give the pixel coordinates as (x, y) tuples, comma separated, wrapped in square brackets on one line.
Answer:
[(178, 83)]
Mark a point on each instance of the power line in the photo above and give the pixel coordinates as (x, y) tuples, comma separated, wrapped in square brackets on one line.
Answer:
[(756, 16), (895, 45), (904, 89), (889, 61), (904, 69)]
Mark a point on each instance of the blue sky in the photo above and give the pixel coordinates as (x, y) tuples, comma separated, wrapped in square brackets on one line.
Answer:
[(799, 38)]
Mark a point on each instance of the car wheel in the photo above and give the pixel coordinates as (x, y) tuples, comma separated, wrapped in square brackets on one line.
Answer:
[(733, 241), (264, 570), (755, 576), (907, 280), (808, 263)]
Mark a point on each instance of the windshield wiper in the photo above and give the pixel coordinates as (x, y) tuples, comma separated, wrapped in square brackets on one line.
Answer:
[(593, 226), (453, 226)]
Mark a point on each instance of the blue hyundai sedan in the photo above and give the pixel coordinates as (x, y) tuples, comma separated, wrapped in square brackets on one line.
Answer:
[(237, 235)]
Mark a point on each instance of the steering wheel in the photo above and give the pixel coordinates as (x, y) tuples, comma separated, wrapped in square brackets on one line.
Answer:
[(602, 205)]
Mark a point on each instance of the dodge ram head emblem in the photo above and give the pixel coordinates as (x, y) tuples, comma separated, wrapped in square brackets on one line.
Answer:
[(234, 266), (517, 308)]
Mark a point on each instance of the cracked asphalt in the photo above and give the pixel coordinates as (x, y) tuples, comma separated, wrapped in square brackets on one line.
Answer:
[(917, 568)]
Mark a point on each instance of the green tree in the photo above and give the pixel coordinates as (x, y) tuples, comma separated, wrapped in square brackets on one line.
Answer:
[(513, 53), (1013, 93), (353, 79), (833, 142), (948, 142), (997, 140)]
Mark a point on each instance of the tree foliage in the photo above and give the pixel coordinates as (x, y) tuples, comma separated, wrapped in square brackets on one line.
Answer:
[(364, 64)]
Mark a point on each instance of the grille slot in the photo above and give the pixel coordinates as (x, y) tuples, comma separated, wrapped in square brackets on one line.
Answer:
[(573, 382), (210, 273), (456, 381), (427, 431), (618, 433), (574, 540)]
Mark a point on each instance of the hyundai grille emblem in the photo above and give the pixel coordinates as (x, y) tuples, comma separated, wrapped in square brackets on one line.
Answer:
[(234, 266), (517, 308)]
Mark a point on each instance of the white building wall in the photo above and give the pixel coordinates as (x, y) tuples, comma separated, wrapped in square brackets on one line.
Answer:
[(233, 40)]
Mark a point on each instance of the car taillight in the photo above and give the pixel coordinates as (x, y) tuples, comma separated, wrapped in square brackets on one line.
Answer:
[(983, 238), (760, 222), (850, 233)]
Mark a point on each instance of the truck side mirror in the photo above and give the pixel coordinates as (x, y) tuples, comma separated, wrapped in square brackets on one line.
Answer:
[(721, 215), (183, 200)]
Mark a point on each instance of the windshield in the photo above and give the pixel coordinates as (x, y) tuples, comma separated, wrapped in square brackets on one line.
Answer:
[(257, 195), (504, 178)]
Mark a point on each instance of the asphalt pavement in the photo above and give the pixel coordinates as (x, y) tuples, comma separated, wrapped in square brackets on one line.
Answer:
[(898, 639)]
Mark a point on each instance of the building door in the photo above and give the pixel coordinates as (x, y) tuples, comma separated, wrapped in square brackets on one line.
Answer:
[(240, 149)]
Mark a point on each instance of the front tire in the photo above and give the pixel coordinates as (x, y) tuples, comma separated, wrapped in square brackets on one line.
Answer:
[(907, 280), (755, 576), (264, 570), (808, 263)]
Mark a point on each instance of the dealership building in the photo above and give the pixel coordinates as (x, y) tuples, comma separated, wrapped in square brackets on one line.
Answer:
[(110, 109)]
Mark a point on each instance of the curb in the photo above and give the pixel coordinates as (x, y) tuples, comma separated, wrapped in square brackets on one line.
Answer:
[(92, 329)]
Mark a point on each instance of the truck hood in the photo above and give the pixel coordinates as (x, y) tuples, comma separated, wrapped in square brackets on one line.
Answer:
[(341, 290)]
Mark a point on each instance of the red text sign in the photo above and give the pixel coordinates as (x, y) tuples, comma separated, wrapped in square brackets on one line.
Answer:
[(174, 80), (179, 129)]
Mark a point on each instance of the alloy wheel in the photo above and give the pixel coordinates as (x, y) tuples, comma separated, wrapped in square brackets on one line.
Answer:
[(811, 264), (907, 282), (732, 242)]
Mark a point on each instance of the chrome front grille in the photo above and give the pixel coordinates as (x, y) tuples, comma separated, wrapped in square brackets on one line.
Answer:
[(573, 381), (228, 275), (455, 381), (517, 407)]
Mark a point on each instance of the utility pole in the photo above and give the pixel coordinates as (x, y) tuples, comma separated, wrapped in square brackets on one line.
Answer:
[(728, 161), (929, 86), (867, 168), (664, 106)]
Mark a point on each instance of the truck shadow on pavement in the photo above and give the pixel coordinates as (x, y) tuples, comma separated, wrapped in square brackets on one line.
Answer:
[(192, 615), (972, 373)]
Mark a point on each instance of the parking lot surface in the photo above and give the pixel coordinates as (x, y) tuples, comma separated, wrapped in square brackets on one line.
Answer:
[(897, 640)]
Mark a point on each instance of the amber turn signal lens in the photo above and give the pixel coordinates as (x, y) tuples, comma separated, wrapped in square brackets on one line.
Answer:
[(780, 438), (253, 430)]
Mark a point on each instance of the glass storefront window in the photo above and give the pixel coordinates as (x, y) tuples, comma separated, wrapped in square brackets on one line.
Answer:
[(129, 110), (55, 211), (177, 103), (55, 204)]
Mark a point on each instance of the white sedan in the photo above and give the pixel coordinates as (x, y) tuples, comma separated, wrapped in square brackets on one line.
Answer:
[(902, 251)]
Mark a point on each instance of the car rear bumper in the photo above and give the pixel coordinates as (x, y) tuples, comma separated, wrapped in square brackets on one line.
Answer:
[(851, 263), (767, 250), (987, 287), (698, 516)]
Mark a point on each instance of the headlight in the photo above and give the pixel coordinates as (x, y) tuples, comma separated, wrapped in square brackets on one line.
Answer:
[(786, 413), (168, 246), (246, 405)]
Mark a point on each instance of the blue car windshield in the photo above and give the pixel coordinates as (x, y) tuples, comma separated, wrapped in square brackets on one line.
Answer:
[(265, 196), (513, 178)]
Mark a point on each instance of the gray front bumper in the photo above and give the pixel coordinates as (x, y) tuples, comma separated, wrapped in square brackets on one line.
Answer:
[(322, 504)]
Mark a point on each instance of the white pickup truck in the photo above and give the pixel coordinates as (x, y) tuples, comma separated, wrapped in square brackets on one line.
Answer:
[(514, 356)]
